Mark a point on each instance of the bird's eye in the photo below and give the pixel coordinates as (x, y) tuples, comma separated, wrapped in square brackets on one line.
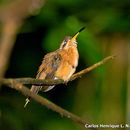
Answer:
[(64, 43)]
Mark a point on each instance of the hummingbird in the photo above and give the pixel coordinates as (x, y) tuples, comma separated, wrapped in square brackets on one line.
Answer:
[(60, 64)]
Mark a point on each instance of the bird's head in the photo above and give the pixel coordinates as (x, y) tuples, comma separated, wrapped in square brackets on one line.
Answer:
[(70, 41)]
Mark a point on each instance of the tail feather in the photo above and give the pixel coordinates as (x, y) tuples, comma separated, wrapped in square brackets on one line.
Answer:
[(36, 89), (26, 102), (48, 88)]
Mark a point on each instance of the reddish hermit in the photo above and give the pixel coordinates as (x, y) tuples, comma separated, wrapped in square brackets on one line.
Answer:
[(60, 64)]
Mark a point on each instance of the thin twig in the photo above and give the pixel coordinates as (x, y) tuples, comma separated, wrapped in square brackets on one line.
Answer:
[(82, 72), (64, 113)]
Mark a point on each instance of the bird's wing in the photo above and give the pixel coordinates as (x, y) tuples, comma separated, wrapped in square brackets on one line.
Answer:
[(47, 70), (49, 66)]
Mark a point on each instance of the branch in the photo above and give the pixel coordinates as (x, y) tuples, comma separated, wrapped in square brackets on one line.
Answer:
[(18, 85), (56, 82), (82, 72), (43, 101), (12, 16), (6, 44)]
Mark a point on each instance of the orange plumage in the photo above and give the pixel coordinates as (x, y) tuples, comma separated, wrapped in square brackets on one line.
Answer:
[(60, 64)]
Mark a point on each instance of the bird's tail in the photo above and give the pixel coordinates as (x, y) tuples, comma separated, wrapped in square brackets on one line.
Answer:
[(34, 89), (26, 102)]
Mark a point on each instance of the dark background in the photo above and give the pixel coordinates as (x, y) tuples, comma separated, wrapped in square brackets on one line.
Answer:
[(101, 96)]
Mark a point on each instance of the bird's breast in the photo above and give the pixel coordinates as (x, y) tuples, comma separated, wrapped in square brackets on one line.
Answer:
[(68, 64)]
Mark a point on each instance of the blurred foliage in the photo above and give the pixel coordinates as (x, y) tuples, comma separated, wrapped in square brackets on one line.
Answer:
[(101, 96)]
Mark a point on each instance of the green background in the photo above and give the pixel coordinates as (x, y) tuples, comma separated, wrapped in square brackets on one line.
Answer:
[(101, 96)]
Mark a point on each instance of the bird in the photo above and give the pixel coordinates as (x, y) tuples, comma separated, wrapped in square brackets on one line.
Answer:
[(60, 64)]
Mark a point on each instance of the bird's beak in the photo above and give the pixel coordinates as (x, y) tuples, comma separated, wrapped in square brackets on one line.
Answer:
[(76, 35)]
